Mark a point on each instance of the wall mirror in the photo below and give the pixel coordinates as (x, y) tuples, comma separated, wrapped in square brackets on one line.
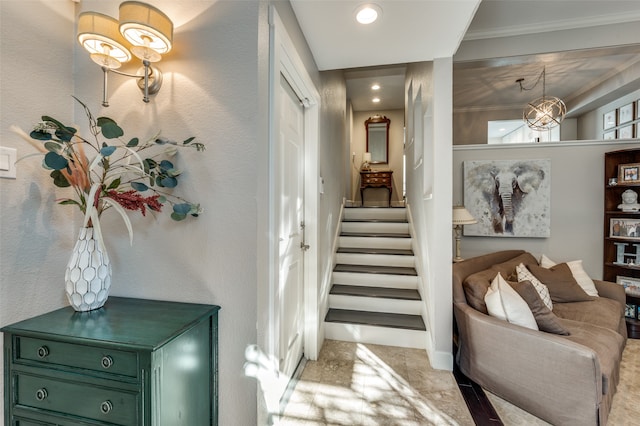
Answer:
[(378, 138)]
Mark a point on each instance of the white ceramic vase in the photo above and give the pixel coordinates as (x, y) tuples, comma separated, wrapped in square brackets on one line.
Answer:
[(88, 274)]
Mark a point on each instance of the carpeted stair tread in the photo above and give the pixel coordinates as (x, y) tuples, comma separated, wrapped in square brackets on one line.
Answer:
[(376, 234), (380, 319), (373, 250), (374, 269), (378, 292)]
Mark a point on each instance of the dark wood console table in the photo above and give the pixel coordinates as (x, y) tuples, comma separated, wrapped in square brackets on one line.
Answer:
[(375, 179)]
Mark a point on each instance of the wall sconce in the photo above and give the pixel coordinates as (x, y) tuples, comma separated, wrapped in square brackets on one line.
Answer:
[(142, 30)]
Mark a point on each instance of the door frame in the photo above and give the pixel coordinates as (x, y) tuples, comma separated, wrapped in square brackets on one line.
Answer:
[(284, 59)]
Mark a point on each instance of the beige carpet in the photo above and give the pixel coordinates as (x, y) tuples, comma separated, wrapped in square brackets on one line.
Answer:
[(625, 410)]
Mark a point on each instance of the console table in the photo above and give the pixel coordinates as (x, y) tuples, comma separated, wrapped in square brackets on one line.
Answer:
[(375, 179), (132, 362)]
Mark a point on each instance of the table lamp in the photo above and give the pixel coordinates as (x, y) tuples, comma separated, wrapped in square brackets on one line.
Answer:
[(461, 216)]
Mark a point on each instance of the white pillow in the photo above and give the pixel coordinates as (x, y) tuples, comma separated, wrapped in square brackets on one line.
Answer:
[(525, 275), (578, 273), (505, 303)]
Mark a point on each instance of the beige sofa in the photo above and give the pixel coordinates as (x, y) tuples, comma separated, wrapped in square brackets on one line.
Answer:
[(562, 379)]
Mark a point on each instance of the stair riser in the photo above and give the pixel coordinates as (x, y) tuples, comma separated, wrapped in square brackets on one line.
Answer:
[(375, 259), (375, 304), (375, 335), (376, 227), (380, 214), (376, 280), (366, 242)]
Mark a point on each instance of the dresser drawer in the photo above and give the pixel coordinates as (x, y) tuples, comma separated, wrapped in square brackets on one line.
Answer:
[(377, 181), (51, 352), (111, 406)]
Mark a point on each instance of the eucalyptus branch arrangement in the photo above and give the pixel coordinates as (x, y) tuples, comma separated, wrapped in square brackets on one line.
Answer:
[(106, 171)]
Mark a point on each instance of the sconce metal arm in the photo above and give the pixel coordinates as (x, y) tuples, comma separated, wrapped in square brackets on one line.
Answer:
[(149, 82)]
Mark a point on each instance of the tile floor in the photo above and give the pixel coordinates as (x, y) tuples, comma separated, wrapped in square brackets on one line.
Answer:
[(361, 384)]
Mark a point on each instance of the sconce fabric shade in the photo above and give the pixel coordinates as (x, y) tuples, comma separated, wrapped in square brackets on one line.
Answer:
[(148, 29), (461, 216), (366, 157), (100, 36)]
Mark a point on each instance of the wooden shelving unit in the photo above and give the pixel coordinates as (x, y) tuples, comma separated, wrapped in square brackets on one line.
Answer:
[(612, 267)]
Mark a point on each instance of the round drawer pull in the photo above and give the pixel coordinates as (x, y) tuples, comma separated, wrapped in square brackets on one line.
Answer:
[(43, 351), (106, 407), (41, 394), (106, 361)]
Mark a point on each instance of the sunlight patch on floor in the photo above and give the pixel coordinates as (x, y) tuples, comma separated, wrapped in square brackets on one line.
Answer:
[(358, 384)]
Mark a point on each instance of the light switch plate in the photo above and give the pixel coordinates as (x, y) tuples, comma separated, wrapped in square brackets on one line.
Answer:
[(8, 162)]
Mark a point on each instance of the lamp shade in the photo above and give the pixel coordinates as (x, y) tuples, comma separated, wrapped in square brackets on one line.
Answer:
[(99, 35), (148, 29), (461, 216), (366, 157)]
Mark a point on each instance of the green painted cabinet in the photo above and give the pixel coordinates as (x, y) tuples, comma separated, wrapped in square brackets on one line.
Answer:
[(132, 362)]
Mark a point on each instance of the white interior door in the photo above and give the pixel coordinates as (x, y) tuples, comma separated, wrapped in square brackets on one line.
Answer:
[(291, 228)]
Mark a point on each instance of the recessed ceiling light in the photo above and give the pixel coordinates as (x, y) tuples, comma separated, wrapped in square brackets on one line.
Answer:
[(375, 100), (375, 87), (368, 13)]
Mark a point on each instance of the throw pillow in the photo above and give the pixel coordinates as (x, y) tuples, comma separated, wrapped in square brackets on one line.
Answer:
[(545, 319), (560, 282), (508, 268), (505, 303), (580, 275), (475, 288), (524, 275)]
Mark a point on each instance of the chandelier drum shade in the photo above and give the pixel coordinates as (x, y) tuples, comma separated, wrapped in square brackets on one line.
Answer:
[(543, 113), (142, 30)]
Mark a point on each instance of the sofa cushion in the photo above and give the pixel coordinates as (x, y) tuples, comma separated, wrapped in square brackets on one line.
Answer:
[(577, 270), (601, 311), (504, 303), (545, 319), (560, 282), (476, 286), (525, 275), (607, 345), (508, 268)]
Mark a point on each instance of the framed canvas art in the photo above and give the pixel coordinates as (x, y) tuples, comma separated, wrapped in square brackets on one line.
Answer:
[(508, 198)]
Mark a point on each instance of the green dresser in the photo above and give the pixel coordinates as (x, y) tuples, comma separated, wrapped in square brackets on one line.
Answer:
[(132, 362)]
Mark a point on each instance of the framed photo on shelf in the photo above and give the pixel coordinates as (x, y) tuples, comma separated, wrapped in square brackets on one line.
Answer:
[(624, 228), (625, 113), (631, 285), (629, 173), (630, 310), (609, 120), (626, 132)]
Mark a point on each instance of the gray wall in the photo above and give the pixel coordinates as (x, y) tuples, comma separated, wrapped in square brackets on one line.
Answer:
[(577, 193)]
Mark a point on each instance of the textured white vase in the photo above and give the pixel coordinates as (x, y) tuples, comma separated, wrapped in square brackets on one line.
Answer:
[(88, 274)]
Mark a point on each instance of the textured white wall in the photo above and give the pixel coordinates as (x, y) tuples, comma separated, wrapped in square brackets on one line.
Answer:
[(36, 77), (215, 88)]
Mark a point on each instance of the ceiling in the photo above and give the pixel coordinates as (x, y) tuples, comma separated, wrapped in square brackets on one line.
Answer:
[(378, 52)]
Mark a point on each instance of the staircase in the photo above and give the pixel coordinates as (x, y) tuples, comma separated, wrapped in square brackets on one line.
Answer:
[(374, 297)]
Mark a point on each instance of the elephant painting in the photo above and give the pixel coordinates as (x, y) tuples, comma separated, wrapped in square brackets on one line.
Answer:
[(508, 197)]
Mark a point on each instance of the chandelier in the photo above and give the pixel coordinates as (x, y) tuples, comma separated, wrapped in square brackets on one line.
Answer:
[(542, 113)]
